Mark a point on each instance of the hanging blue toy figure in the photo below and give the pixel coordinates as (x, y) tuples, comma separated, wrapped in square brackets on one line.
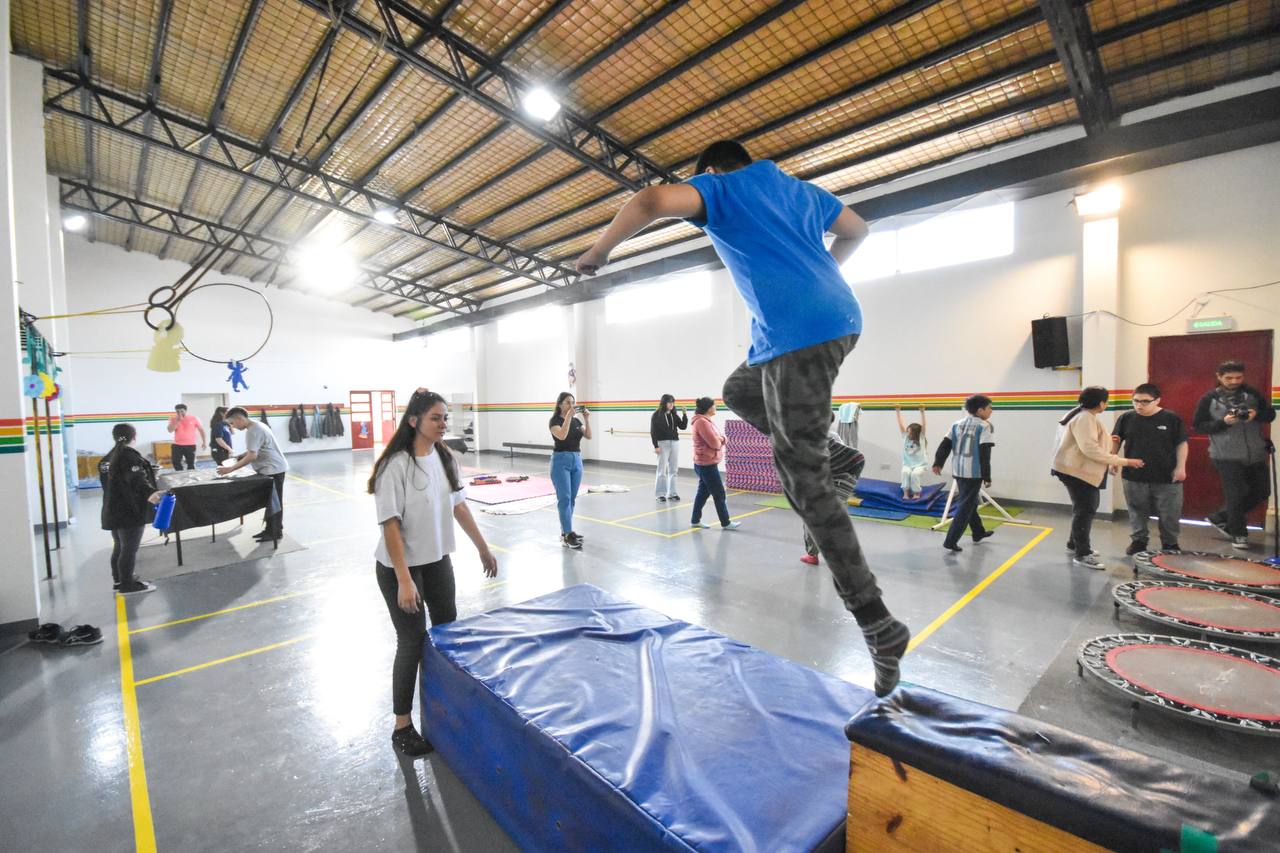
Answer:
[(238, 370)]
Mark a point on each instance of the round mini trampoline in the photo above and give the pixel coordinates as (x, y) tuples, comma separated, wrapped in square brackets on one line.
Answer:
[(1211, 610), (1202, 681), (1205, 568)]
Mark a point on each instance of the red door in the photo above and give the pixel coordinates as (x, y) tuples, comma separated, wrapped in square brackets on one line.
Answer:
[(1183, 366), (361, 420)]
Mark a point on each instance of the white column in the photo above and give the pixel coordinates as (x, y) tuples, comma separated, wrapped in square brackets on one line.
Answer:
[(31, 253), (62, 334), (581, 356), (19, 592), (1100, 287)]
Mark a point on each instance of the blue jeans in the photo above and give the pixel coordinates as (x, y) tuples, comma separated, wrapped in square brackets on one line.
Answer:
[(566, 476), (710, 486)]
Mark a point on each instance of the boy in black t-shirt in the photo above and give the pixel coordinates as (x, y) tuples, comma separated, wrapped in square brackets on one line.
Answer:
[(1159, 438)]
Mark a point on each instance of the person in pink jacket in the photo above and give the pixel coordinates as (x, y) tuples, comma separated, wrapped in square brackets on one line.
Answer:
[(708, 452), (1080, 461)]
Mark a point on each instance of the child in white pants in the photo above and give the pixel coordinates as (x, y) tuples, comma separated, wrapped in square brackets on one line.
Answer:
[(914, 449)]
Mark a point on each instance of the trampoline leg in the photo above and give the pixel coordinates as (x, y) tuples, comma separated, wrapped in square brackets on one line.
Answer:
[(177, 537), (1079, 670), (213, 533)]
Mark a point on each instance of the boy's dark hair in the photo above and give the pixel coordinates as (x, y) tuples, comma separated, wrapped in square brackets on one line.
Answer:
[(1231, 366), (236, 410), (1092, 395), (976, 402), (726, 155), (121, 433), (1148, 388), (703, 405), (181, 407)]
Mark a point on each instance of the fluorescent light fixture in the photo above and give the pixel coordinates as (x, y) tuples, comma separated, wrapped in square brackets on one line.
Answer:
[(74, 222), (327, 269), (385, 215), (1103, 201), (540, 103)]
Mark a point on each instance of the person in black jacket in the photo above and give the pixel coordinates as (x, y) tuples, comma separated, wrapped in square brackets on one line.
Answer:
[(664, 430), (128, 486), (1232, 415)]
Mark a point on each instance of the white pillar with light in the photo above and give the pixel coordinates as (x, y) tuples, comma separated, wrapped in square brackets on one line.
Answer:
[(1100, 291)]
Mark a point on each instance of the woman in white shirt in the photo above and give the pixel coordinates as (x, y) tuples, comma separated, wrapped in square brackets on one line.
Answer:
[(418, 494)]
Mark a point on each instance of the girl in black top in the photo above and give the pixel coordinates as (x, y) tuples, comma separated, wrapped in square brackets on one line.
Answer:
[(664, 431), (566, 462), (128, 486), (219, 436)]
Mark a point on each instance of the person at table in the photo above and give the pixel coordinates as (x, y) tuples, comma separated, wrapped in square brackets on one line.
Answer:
[(185, 427), (263, 453), (128, 486), (220, 436)]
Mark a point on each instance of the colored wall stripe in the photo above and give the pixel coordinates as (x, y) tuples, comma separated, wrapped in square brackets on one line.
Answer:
[(151, 417)]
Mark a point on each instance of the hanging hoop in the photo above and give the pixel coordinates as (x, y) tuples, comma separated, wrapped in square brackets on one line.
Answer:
[(271, 322)]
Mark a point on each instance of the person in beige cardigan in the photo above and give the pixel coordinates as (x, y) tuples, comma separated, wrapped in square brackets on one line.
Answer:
[(1081, 461)]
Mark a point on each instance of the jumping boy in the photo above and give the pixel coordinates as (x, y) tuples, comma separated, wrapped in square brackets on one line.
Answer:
[(768, 229)]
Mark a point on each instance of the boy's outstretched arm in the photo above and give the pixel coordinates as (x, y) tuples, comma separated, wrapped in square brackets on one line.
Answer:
[(850, 230), (668, 201)]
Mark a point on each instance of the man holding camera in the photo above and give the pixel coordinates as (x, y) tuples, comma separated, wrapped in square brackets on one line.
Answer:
[(1232, 415)]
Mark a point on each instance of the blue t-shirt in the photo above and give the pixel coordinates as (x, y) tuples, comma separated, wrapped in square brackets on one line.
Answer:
[(768, 229)]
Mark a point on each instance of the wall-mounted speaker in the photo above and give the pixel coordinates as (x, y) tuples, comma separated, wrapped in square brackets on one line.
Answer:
[(1049, 342)]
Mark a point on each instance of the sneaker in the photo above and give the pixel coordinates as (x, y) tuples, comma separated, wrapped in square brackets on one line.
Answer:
[(955, 549), (1240, 543), (1090, 561), (1220, 526), (569, 542), (81, 635), (809, 560), (49, 632), (986, 534), (733, 525), (577, 536), (1171, 549), (115, 586), (674, 498), (661, 498), (700, 524), (408, 742), (137, 588), (1135, 548)]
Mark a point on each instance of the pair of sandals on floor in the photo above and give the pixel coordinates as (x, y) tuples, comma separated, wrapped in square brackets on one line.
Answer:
[(51, 633)]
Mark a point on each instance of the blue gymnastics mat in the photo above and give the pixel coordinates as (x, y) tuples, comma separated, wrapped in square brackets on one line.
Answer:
[(585, 722), (884, 494)]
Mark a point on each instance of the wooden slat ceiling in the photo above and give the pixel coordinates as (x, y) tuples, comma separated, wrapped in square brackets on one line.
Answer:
[(842, 93)]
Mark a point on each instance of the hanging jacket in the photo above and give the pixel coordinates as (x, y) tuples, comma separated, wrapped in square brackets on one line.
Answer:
[(316, 431), (297, 426), (339, 428), (127, 481), (263, 417), (666, 426)]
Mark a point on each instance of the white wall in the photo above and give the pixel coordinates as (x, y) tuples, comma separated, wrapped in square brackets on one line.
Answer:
[(319, 350), (953, 331)]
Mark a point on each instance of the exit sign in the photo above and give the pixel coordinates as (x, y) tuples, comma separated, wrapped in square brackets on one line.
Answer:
[(1211, 324)]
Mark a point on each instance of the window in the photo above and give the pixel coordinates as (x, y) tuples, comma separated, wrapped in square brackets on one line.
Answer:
[(682, 294), (536, 324), (451, 342), (957, 237)]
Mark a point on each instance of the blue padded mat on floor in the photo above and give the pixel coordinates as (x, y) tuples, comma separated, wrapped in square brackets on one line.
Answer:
[(884, 494), (873, 512), (585, 722)]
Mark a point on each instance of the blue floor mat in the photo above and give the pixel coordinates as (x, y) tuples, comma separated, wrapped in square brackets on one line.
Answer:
[(872, 512), (885, 494)]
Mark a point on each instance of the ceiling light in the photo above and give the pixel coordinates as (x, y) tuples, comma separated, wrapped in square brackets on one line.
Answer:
[(74, 222), (385, 215), (540, 103), (327, 269), (1103, 201)]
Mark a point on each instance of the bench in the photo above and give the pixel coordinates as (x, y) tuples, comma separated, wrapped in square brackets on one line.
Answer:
[(512, 445)]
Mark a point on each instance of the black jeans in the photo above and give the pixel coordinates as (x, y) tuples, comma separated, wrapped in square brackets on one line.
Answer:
[(710, 485), (435, 585), (968, 497), (180, 452), (788, 398), (219, 455), (275, 521), (124, 551), (1244, 486), (1084, 504)]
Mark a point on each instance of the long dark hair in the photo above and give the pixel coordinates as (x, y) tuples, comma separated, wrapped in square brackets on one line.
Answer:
[(219, 415), (401, 441), (662, 404), (1089, 398), (560, 399)]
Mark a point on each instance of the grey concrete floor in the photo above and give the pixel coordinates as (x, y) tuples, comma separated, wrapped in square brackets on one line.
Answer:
[(287, 747)]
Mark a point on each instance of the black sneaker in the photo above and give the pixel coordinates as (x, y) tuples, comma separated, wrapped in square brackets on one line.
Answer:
[(81, 635), (674, 498), (137, 588), (408, 742), (569, 542), (1135, 548), (984, 535), (661, 498), (577, 536), (953, 548)]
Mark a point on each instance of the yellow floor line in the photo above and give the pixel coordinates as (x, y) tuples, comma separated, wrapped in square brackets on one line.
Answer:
[(493, 585), (731, 518), (225, 610), (618, 525), (144, 833), (678, 505), (977, 589), (227, 659), (321, 486)]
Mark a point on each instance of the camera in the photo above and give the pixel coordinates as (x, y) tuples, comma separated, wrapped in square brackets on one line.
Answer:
[(1239, 413)]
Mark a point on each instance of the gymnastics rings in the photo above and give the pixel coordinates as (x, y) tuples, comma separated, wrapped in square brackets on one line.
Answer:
[(167, 304)]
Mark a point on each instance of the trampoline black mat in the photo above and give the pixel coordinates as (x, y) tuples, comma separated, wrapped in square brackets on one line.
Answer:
[(1220, 611), (1206, 682), (1204, 567)]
